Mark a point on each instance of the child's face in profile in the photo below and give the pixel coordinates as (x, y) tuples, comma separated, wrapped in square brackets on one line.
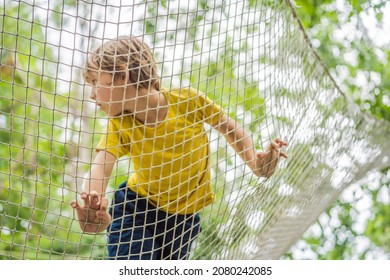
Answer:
[(109, 94)]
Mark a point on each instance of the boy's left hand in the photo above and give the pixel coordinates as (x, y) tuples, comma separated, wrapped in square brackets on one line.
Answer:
[(266, 161)]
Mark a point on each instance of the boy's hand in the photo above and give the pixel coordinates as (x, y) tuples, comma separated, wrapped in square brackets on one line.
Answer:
[(266, 161), (93, 216)]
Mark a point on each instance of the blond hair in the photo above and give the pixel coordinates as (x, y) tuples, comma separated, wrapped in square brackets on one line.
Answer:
[(125, 57)]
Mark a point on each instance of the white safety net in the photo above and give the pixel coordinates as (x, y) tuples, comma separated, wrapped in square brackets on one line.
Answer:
[(251, 57)]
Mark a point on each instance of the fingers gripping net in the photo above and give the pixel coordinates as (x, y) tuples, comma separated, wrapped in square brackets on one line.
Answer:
[(250, 57)]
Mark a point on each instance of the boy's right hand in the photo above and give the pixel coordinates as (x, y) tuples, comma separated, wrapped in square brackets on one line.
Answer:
[(92, 216)]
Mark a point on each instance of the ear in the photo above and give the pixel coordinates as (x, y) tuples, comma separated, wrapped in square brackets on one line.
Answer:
[(122, 77)]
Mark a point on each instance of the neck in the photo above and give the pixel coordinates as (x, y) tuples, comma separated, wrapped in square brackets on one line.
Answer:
[(149, 107)]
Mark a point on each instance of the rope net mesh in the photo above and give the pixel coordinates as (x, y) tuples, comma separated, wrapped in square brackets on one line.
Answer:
[(252, 58)]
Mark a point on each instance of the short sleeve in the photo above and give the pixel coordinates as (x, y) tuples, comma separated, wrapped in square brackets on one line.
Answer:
[(111, 142), (209, 111)]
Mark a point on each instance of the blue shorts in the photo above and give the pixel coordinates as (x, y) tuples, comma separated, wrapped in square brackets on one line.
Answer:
[(139, 231)]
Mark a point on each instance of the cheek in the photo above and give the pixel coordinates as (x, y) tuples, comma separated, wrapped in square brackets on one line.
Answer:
[(104, 95), (117, 95), (111, 95)]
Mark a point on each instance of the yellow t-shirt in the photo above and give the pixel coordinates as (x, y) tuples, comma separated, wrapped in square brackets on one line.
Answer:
[(170, 160)]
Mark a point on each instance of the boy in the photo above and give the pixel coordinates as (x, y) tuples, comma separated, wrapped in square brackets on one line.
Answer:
[(154, 213)]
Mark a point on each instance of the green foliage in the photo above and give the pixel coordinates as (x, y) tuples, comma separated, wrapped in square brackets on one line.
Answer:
[(355, 51), (378, 228), (36, 153), (361, 67), (35, 216)]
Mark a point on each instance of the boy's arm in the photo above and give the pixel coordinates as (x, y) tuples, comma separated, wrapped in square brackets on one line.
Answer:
[(93, 216), (262, 163), (100, 173)]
